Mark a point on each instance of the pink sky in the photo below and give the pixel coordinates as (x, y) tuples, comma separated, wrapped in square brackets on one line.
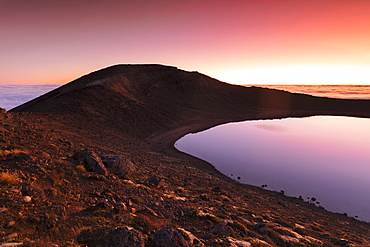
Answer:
[(237, 41)]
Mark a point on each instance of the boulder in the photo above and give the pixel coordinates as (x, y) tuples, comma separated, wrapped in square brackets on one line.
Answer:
[(124, 237), (238, 243), (188, 236), (221, 230), (103, 237), (118, 165), (91, 161), (155, 181), (169, 237)]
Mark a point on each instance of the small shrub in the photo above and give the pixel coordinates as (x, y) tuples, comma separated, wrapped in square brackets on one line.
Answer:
[(284, 223), (225, 198), (239, 226), (144, 223), (14, 153), (136, 199), (80, 169), (4, 153), (18, 152), (7, 178)]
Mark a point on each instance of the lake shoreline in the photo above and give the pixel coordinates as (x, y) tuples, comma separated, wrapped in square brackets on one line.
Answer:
[(302, 157)]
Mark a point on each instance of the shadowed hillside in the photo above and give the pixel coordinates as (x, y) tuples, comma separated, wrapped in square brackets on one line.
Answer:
[(148, 98)]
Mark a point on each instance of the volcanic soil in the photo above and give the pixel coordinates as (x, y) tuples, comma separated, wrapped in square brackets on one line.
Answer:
[(50, 196)]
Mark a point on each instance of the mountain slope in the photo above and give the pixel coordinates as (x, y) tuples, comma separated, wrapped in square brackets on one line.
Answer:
[(155, 98), (137, 112)]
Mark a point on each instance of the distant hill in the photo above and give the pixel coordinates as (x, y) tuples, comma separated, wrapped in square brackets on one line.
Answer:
[(148, 98)]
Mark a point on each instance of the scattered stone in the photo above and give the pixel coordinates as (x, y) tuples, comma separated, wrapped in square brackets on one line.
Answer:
[(118, 165), (169, 237), (191, 238), (14, 189), (238, 243), (149, 211), (312, 241), (128, 181), (341, 242), (155, 181), (10, 224), (120, 206), (204, 197), (259, 242), (222, 230), (91, 161), (3, 209), (9, 237), (11, 244), (216, 189), (124, 236), (27, 199), (298, 226), (290, 240)]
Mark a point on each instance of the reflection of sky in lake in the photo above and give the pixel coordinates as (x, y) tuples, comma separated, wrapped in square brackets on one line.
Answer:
[(14, 95), (323, 157)]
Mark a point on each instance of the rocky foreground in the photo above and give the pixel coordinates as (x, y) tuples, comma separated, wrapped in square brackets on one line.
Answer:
[(92, 163)]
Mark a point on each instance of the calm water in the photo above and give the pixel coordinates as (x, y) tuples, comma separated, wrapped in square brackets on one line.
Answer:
[(323, 157), (14, 95)]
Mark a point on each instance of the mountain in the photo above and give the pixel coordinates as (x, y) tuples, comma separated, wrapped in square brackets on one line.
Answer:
[(149, 98), (130, 115)]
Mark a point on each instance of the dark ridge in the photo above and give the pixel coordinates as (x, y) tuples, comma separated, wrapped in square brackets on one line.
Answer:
[(143, 99)]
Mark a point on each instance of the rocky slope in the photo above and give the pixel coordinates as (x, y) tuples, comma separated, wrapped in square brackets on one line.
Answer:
[(131, 187)]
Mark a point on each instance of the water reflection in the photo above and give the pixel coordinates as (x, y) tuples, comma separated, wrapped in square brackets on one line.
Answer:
[(323, 157)]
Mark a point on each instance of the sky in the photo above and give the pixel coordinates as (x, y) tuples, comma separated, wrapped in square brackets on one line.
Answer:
[(236, 41)]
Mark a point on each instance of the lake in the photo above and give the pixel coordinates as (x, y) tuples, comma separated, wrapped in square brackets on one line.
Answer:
[(321, 157)]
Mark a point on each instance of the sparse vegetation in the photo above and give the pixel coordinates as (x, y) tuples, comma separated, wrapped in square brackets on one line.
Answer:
[(80, 169), (7, 178)]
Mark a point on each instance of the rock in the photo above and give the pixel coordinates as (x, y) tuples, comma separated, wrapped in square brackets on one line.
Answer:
[(216, 189), (238, 243), (170, 237), (311, 241), (222, 230), (341, 242), (118, 165), (91, 161), (3, 209), (10, 224), (149, 211), (204, 197), (9, 237), (11, 244), (124, 236), (27, 199), (133, 210), (155, 181), (120, 206), (188, 236), (290, 241)]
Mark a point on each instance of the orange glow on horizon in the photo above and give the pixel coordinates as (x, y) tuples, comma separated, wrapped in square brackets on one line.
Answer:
[(54, 42), (296, 75)]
